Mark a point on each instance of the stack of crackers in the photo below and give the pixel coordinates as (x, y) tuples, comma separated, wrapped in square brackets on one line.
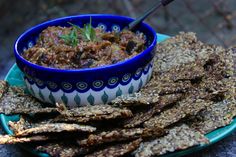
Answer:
[(191, 93)]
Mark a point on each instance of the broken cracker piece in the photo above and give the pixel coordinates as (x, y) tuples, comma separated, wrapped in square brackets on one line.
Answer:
[(116, 150), (178, 138), (136, 99), (9, 139), (143, 116), (26, 128), (185, 108), (217, 115), (3, 88), (220, 113), (119, 135), (93, 113), (62, 149), (15, 101), (188, 71), (55, 128)]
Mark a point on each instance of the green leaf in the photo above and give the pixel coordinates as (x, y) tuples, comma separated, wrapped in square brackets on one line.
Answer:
[(140, 84), (51, 98), (88, 33), (71, 38), (75, 26), (64, 99), (77, 99), (90, 99), (32, 91), (93, 35), (131, 89), (41, 95), (104, 97), (118, 92)]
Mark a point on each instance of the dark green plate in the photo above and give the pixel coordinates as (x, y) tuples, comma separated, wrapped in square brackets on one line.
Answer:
[(15, 78)]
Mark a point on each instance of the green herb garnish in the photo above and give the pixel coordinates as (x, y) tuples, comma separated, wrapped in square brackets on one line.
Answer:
[(88, 33), (71, 38)]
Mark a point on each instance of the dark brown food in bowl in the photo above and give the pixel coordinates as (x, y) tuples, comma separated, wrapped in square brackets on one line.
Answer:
[(51, 50)]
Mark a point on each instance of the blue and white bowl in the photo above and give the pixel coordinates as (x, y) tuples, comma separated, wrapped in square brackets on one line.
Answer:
[(89, 86)]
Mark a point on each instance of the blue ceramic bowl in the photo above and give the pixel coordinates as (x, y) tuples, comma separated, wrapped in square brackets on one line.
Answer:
[(87, 86)]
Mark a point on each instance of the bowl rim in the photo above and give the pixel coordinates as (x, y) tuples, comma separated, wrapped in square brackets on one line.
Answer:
[(50, 69)]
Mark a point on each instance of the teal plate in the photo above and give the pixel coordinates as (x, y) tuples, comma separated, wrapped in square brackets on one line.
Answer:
[(15, 78)]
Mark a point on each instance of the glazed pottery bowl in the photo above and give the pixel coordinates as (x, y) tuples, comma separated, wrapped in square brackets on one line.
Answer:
[(89, 86)]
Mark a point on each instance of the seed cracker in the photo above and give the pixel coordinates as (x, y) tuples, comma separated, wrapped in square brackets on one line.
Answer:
[(62, 149), (92, 113), (20, 125), (117, 150), (188, 71), (183, 48), (119, 135), (178, 138), (163, 88), (25, 128), (218, 66), (222, 112), (136, 99), (143, 116), (185, 108), (176, 51), (9, 139), (15, 101), (3, 88), (55, 128), (218, 114)]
